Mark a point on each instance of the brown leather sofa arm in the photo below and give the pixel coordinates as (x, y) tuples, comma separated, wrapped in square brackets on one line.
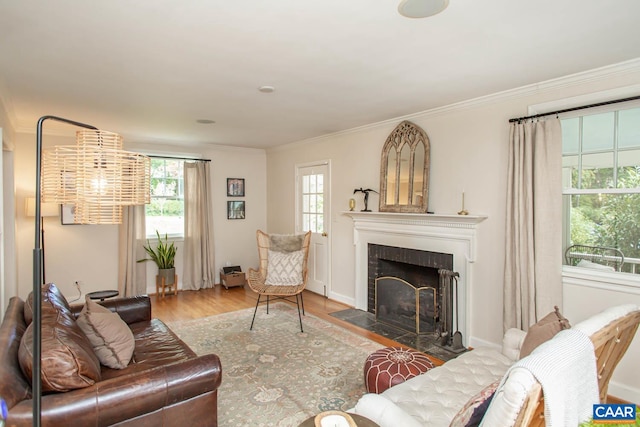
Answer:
[(131, 309), (124, 398)]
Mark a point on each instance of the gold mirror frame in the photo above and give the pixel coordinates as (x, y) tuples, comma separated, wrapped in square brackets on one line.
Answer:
[(404, 170)]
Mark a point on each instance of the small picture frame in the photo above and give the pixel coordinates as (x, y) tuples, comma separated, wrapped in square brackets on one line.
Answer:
[(68, 214), (235, 209), (235, 187)]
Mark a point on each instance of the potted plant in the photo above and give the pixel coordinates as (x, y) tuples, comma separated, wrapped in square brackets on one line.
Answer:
[(163, 255)]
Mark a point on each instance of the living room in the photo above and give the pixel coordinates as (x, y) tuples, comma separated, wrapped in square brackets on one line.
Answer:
[(469, 153)]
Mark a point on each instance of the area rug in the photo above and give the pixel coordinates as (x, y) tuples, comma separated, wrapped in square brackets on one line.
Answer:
[(275, 375)]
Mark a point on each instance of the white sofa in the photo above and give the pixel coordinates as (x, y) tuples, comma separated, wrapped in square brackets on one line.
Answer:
[(434, 398)]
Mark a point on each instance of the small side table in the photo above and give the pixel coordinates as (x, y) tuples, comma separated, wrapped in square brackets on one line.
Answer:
[(161, 285), (102, 295)]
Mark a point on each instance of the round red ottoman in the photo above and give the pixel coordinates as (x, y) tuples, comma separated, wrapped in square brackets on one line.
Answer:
[(393, 365)]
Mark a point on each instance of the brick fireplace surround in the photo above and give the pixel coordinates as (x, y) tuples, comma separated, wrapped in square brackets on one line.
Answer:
[(447, 234)]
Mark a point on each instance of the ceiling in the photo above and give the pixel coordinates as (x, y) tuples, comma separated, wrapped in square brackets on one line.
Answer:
[(149, 69)]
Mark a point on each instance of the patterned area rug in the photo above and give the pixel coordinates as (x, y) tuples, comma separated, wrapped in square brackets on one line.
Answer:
[(275, 375)]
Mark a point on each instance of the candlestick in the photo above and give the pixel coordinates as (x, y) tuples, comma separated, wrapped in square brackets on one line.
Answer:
[(463, 211)]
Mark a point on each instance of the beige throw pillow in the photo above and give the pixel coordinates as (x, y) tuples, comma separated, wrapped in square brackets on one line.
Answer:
[(544, 330), (110, 336), (284, 269)]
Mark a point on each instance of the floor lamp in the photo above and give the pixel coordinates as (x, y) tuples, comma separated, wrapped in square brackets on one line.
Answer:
[(46, 210), (96, 176)]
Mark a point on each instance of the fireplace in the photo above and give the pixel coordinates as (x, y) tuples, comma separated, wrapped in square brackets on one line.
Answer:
[(451, 235), (401, 304), (407, 288)]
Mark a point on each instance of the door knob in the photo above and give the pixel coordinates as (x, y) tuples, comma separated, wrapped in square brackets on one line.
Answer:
[(324, 234)]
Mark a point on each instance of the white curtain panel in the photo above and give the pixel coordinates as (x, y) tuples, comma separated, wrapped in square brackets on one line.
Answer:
[(132, 275), (533, 261), (199, 270)]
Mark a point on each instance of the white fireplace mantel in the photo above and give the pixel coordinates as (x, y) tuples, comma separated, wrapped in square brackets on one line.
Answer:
[(438, 220), (443, 233)]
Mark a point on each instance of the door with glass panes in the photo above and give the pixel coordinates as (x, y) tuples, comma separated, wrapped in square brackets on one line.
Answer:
[(313, 215)]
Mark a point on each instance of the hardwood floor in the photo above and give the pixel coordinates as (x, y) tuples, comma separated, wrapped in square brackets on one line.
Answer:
[(208, 302)]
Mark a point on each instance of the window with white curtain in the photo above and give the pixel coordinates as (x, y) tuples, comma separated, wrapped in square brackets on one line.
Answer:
[(165, 213), (601, 181)]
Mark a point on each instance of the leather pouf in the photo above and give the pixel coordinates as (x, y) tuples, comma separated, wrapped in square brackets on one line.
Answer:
[(393, 365)]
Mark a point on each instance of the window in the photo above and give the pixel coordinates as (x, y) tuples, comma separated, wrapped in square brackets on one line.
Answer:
[(165, 213), (601, 182), (313, 203)]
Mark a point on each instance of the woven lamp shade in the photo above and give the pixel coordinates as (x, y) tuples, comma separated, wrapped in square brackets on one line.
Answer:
[(96, 176)]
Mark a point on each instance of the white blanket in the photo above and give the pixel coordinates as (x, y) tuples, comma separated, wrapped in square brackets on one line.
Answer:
[(565, 366)]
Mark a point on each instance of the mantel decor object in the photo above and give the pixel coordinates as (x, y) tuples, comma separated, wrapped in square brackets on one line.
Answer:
[(463, 211), (404, 170), (366, 197)]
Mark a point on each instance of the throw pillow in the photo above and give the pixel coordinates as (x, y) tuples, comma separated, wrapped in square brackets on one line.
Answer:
[(284, 269), (544, 330), (473, 411), (51, 298), (110, 336), (68, 361)]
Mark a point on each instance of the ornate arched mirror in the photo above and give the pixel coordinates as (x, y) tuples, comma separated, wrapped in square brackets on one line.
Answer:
[(404, 170)]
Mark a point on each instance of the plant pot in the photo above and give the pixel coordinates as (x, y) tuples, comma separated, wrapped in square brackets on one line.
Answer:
[(169, 275)]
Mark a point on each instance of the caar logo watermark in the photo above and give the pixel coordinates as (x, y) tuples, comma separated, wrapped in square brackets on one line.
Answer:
[(614, 414)]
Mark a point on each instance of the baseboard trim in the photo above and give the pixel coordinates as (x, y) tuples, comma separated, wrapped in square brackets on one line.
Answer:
[(350, 301), (624, 392)]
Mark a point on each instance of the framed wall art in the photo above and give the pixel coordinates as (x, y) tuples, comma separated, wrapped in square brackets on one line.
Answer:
[(235, 209), (235, 187), (67, 214)]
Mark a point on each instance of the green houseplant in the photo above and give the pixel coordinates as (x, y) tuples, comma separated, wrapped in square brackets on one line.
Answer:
[(164, 256)]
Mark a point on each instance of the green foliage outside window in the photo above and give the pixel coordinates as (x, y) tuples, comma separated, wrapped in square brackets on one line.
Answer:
[(602, 152), (166, 210)]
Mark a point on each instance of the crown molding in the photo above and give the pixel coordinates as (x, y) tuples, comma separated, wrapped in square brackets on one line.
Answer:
[(589, 76)]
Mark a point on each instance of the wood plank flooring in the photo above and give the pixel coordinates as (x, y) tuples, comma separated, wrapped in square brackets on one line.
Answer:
[(208, 302)]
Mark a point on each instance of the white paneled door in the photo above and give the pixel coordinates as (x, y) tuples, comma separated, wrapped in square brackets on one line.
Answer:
[(312, 205)]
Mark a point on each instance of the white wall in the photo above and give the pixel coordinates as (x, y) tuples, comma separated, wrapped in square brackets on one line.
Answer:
[(7, 223), (88, 253), (468, 151)]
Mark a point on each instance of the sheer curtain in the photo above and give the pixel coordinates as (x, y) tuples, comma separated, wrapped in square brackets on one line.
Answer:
[(198, 227), (132, 275), (533, 262)]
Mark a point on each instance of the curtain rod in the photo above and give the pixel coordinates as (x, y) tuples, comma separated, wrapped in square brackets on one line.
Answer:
[(180, 158), (583, 107)]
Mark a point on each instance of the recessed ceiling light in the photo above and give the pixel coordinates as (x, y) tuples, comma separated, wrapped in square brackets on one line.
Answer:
[(421, 8), (205, 121), (266, 89)]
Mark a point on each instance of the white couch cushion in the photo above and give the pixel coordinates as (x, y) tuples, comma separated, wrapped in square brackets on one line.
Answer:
[(431, 399), (512, 343)]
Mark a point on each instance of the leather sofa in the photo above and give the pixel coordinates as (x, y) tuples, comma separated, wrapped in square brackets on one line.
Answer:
[(165, 384)]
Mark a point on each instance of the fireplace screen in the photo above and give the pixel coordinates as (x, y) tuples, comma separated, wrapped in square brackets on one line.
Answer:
[(401, 304)]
